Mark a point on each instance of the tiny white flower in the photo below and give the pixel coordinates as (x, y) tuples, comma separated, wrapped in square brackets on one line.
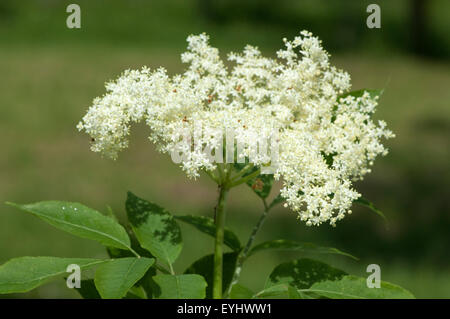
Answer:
[(325, 142)]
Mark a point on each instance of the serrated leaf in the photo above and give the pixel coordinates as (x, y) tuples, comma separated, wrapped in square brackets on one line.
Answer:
[(206, 225), (81, 221), (352, 287), (303, 273), (114, 279), (26, 273), (366, 203), (240, 292), (181, 286), (204, 267), (155, 228), (284, 244)]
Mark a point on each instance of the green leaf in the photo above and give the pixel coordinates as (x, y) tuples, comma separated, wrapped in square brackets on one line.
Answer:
[(358, 93), (272, 291), (114, 279), (148, 284), (87, 289), (351, 287), (205, 265), (155, 228), (294, 293), (303, 273), (81, 221), (240, 292), (275, 291), (26, 273), (115, 253), (136, 292), (283, 244), (279, 291), (329, 158), (261, 184), (181, 286), (207, 226), (364, 202)]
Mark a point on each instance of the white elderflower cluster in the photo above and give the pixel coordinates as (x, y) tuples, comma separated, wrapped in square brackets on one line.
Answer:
[(326, 141)]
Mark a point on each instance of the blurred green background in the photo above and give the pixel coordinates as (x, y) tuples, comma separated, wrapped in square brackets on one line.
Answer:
[(50, 74)]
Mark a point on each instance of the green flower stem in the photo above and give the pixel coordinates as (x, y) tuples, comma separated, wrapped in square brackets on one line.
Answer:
[(134, 252), (245, 178), (218, 247), (229, 171), (212, 176), (243, 254), (242, 172), (221, 173)]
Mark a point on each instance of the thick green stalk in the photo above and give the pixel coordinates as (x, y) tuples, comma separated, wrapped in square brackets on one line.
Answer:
[(218, 248)]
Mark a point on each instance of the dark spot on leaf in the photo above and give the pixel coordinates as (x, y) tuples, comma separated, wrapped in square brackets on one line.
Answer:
[(303, 273), (139, 211)]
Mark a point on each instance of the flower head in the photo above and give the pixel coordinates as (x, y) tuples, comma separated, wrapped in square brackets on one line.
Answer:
[(326, 140)]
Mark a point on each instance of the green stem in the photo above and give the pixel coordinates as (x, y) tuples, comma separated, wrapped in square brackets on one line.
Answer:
[(162, 269), (242, 172), (212, 176), (218, 248), (172, 272), (134, 252), (243, 255), (245, 178), (229, 170)]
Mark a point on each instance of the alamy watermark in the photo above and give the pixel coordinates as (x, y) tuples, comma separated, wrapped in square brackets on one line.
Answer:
[(74, 279), (374, 279), (228, 147), (374, 18), (73, 21)]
